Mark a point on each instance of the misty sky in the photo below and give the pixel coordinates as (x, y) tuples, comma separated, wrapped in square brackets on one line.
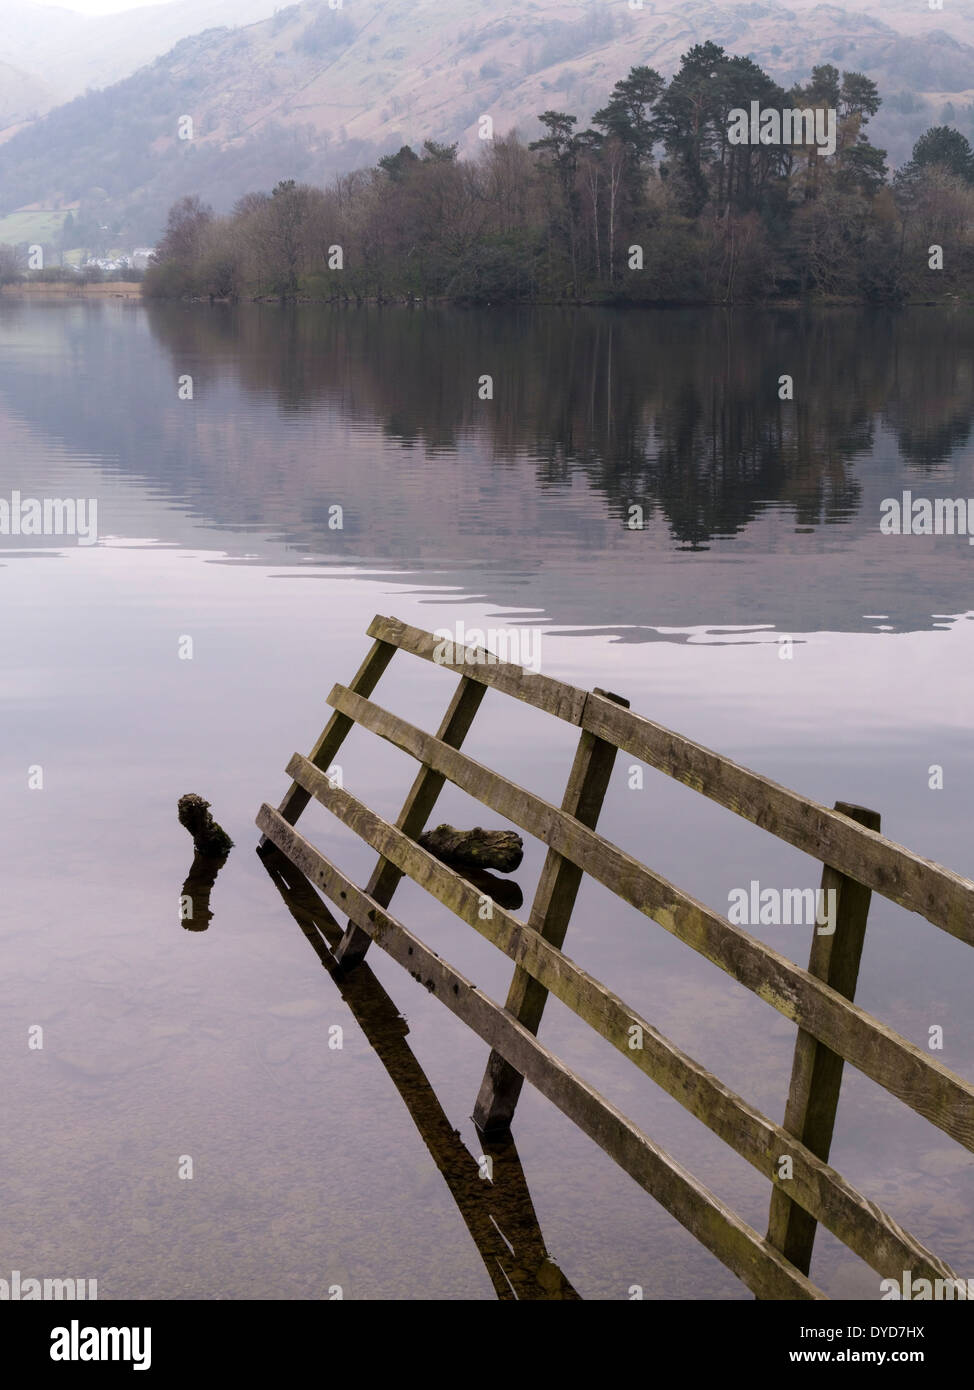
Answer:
[(97, 6)]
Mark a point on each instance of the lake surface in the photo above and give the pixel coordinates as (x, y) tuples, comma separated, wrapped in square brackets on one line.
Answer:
[(316, 1167)]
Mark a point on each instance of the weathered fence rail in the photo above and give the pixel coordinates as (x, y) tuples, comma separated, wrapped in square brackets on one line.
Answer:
[(499, 1214), (857, 860)]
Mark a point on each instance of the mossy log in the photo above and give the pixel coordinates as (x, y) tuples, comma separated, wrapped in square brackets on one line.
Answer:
[(502, 850)]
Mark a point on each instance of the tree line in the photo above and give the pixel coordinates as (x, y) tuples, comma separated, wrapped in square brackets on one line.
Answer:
[(654, 202)]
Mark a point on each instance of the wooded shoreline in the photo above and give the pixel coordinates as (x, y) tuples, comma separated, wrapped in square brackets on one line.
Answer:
[(133, 291), (664, 200), (109, 289)]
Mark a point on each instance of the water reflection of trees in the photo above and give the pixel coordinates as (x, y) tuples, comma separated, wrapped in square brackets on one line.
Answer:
[(677, 411)]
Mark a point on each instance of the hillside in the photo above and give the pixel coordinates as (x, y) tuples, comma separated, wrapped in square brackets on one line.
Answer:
[(314, 90), (22, 98), (31, 34), (70, 52)]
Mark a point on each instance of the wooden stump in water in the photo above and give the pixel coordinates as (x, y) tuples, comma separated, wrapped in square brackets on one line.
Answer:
[(209, 838), (502, 850), (213, 844)]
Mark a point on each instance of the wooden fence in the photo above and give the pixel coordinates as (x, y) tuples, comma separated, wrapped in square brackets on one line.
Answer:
[(857, 860), (498, 1213)]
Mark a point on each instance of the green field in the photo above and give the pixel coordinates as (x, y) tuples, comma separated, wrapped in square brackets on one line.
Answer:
[(42, 226)]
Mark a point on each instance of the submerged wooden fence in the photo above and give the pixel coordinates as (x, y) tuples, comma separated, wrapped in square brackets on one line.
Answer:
[(857, 860), (499, 1214)]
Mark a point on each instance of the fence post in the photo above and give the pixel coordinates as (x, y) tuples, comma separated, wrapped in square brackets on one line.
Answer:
[(816, 1075), (416, 811), (550, 913), (336, 730)]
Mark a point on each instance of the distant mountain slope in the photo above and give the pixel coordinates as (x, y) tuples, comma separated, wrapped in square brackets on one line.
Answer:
[(70, 52), (30, 34), (913, 17), (315, 90), (22, 97)]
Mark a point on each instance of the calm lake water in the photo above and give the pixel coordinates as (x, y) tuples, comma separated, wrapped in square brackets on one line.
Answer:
[(313, 1166)]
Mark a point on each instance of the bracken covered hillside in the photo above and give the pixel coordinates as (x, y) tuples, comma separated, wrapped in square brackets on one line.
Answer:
[(314, 90)]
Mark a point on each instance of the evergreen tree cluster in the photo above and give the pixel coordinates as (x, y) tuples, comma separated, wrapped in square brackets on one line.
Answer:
[(654, 202)]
